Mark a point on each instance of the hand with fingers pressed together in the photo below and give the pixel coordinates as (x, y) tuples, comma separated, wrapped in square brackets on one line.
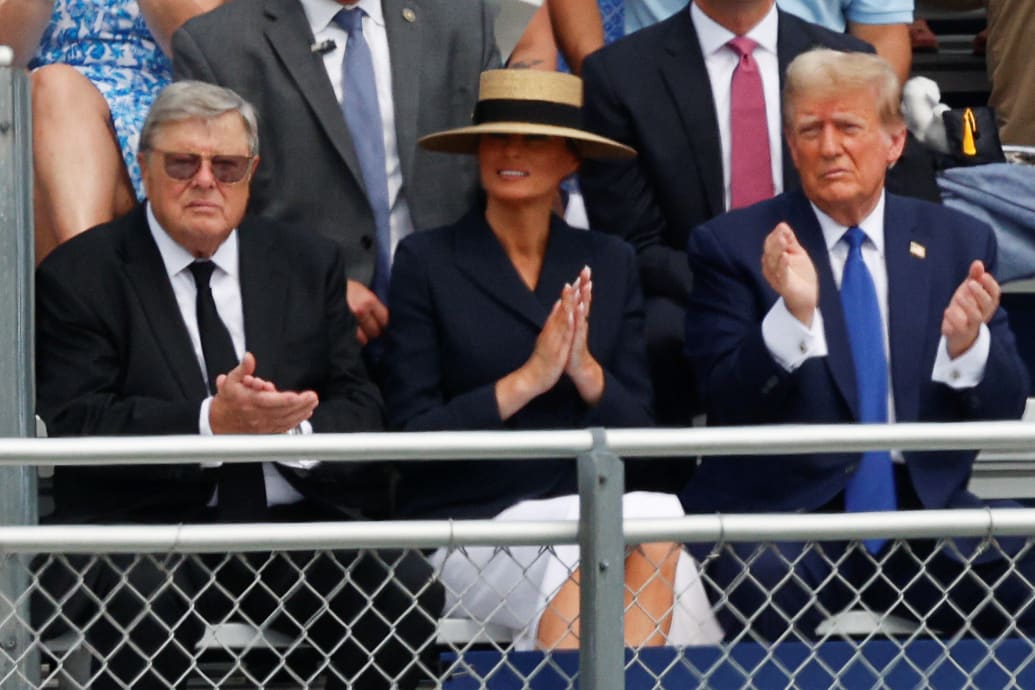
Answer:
[(561, 349)]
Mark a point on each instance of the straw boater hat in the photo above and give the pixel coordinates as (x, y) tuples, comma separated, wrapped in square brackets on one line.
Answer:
[(525, 101)]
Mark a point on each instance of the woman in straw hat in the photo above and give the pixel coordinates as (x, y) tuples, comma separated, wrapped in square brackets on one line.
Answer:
[(510, 319)]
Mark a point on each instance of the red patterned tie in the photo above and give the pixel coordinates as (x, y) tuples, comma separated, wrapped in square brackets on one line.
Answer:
[(751, 172)]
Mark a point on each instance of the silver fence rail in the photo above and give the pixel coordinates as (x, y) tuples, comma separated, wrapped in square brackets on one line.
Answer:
[(599, 532), (17, 484)]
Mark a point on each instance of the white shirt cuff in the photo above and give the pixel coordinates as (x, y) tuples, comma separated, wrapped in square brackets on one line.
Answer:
[(789, 341), (967, 370), (304, 429), (205, 429)]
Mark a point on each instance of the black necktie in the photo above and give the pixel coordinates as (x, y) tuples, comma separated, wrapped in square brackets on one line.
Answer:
[(242, 488)]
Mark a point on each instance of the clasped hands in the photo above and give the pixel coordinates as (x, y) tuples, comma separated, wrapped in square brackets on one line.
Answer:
[(561, 349), (247, 404), (789, 270)]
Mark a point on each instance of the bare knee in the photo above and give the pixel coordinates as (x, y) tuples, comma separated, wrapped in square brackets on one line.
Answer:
[(61, 90)]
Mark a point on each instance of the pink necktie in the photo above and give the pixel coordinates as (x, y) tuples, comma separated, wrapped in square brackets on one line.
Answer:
[(751, 172)]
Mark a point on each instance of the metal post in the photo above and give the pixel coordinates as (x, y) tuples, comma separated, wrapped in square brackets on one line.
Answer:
[(18, 667), (602, 615)]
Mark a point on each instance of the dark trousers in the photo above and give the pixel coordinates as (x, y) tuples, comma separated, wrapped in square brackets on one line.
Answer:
[(767, 590), (366, 612)]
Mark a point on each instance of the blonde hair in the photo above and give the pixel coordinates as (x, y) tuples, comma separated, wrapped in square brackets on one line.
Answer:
[(823, 72)]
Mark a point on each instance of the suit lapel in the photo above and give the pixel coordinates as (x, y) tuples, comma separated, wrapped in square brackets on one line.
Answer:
[(147, 276), (263, 288), (682, 68), (839, 353), (479, 255), (289, 34), (404, 43), (565, 257), (909, 297)]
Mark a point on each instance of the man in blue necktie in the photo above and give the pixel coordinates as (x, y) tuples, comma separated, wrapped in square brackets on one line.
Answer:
[(344, 88), (865, 307)]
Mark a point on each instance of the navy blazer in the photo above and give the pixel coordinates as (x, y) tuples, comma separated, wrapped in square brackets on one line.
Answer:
[(462, 319), (113, 357), (744, 385)]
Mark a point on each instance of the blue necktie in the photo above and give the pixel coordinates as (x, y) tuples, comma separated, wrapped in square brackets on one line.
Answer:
[(363, 117), (872, 487)]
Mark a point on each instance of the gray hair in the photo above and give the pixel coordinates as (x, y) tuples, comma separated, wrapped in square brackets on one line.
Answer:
[(824, 72), (186, 100)]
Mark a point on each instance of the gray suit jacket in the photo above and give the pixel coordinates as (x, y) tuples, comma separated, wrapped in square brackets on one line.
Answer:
[(308, 175)]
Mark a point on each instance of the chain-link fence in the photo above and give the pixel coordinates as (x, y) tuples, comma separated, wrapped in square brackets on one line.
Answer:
[(829, 614)]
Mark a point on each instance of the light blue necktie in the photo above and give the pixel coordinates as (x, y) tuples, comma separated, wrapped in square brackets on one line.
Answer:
[(363, 117), (872, 487)]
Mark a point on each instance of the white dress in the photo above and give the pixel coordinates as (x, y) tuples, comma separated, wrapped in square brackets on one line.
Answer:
[(511, 586)]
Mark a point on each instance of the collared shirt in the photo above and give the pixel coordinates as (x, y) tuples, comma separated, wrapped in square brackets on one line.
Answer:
[(226, 292), (833, 14), (320, 14), (720, 61), (791, 343)]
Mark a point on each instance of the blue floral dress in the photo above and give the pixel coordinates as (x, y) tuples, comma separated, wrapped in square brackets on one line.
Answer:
[(108, 42)]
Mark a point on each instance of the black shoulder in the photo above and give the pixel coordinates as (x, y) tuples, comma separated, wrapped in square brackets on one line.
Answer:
[(290, 241), (642, 42)]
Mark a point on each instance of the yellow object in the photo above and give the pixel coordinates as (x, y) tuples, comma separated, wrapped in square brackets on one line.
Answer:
[(970, 133)]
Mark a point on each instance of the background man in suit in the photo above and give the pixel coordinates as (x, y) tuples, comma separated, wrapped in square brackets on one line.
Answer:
[(186, 317), (667, 92), (289, 58), (865, 307)]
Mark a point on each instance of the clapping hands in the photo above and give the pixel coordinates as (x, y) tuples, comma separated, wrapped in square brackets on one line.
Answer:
[(561, 349), (974, 303)]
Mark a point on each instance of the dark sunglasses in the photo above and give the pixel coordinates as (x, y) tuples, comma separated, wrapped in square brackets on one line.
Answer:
[(226, 169)]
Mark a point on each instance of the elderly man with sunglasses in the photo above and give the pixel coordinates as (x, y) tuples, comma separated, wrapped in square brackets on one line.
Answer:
[(188, 317)]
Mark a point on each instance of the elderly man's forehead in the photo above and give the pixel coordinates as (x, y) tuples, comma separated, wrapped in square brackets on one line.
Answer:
[(860, 100)]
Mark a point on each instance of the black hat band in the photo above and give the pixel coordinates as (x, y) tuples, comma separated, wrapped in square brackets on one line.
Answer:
[(532, 112)]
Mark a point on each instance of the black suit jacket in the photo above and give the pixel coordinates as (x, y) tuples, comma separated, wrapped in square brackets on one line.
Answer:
[(309, 176), (462, 319), (113, 358)]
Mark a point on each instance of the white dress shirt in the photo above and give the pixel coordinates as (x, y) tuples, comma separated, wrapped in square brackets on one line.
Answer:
[(791, 343), (320, 14), (720, 61), (226, 292)]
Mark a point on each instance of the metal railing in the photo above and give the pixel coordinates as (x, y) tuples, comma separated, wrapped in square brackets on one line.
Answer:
[(599, 530), (17, 485)]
